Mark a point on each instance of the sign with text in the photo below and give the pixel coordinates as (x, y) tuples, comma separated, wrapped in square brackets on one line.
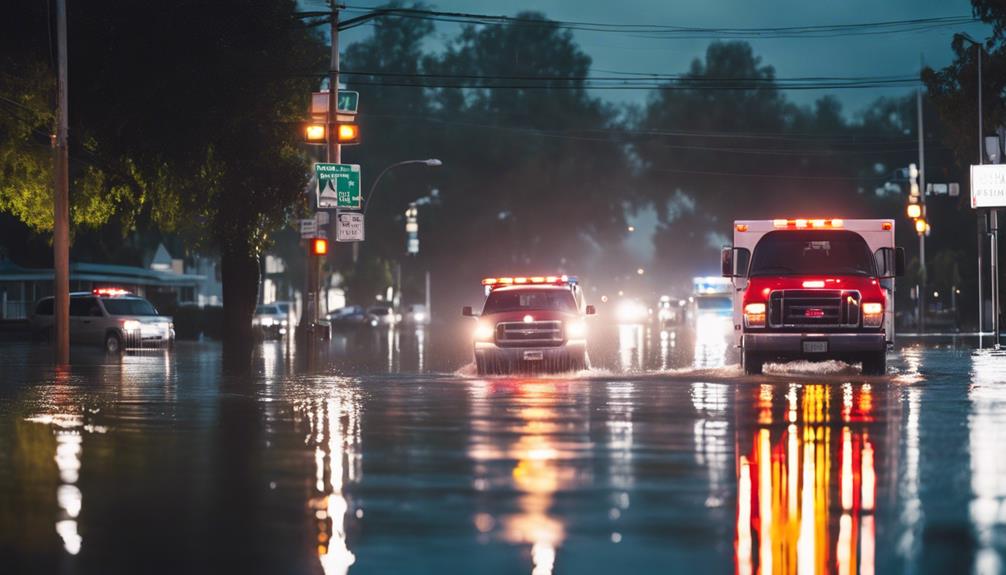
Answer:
[(338, 186), (348, 103), (308, 228), (988, 186), (349, 227)]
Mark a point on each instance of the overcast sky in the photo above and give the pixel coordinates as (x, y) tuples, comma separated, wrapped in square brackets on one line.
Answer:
[(877, 55)]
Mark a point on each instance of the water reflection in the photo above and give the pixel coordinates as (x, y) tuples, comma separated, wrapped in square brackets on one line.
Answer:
[(333, 433), (987, 424), (527, 442), (803, 452), (630, 347), (712, 332)]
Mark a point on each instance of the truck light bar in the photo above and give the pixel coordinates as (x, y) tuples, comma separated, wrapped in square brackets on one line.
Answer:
[(806, 223), (110, 291), (524, 280)]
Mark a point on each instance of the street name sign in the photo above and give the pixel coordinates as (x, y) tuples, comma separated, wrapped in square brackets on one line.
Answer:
[(349, 227), (308, 228), (988, 186), (348, 103), (338, 186)]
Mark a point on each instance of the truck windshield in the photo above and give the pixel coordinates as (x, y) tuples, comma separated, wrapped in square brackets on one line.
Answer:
[(532, 299), (812, 252)]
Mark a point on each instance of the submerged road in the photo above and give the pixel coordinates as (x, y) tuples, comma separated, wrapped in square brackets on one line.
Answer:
[(386, 454)]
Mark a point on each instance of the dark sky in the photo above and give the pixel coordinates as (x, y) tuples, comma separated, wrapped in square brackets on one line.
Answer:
[(875, 55)]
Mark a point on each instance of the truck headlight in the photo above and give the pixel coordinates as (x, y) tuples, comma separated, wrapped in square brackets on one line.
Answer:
[(130, 325), (484, 332), (754, 314), (576, 329), (873, 314)]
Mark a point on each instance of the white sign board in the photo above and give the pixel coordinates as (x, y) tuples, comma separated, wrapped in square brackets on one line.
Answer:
[(988, 186), (321, 218), (308, 228), (349, 227)]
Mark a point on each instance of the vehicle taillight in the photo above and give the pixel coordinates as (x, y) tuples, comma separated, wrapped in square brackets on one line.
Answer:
[(873, 314), (754, 314)]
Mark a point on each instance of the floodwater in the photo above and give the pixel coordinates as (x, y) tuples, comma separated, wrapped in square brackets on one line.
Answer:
[(384, 453)]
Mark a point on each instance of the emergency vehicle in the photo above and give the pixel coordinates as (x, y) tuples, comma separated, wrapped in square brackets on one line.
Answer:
[(531, 324), (814, 289)]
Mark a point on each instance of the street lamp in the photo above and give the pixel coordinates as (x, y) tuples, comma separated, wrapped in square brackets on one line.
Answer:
[(431, 162)]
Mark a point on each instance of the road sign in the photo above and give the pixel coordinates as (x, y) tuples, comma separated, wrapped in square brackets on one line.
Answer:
[(348, 103), (338, 186), (308, 228), (988, 186), (321, 218), (349, 227)]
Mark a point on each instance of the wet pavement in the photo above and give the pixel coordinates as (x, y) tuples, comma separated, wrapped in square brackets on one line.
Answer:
[(384, 453)]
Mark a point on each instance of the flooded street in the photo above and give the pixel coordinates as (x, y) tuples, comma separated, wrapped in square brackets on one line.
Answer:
[(384, 453)]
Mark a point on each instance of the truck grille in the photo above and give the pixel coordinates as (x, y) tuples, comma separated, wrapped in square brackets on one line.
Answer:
[(814, 308), (529, 334)]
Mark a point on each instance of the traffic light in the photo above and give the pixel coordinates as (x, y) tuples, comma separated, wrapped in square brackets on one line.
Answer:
[(921, 226), (319, 246), (914, 211), (348, 134), (315, 133), (913, 181)]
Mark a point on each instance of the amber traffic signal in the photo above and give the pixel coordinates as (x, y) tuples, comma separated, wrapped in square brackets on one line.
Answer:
[(347, 134), (914, 211), (315, 133)]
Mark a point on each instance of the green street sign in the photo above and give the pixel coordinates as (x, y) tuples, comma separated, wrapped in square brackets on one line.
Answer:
[(348, 102), (339, 186)]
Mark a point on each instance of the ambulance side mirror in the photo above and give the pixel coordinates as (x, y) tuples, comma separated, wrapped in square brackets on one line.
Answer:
[(591, 310), (467, 311), (891, 262), (734, 261)]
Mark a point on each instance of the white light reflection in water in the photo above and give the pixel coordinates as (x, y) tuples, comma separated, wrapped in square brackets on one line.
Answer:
[(710, 435), (630, 347), (668, 340), (334, 433), (988, 466), (711, 336), (911, 511), (421, 348), (68, 430)]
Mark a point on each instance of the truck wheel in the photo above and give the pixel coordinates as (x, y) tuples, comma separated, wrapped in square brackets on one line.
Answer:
[(875, 363), (480, 366), (113, 343), (753, 363)]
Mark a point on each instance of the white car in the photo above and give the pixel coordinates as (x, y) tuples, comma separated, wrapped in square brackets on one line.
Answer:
[(113, 318), (271, 321)]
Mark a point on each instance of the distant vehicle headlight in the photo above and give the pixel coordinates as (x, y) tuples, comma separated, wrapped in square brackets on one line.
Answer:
[(484, 332), (130, 325), (576, 329), (419, 316), (631, 311), (283, 322), (267, 321)]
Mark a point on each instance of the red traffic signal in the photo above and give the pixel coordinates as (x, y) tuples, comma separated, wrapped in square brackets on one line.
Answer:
[(319, 246)]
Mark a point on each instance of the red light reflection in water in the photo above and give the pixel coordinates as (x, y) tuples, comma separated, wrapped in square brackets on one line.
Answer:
[(790, 467)]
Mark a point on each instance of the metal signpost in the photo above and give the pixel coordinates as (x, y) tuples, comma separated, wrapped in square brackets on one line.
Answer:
[(349, 227), (338, 186), (988, 190), (308, 228)]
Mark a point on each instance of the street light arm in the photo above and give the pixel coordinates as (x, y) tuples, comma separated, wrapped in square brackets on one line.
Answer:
[(366, 202)]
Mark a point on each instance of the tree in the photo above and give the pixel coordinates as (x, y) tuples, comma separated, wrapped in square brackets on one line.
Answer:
[(192, 113)]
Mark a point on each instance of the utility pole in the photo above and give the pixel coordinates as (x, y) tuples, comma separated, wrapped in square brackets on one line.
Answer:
[(981, 217), (922, 200), (61, 219)]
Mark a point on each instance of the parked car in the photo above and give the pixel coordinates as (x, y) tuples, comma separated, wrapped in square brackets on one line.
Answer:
[(352, 316), (113, 318), (271, 321)]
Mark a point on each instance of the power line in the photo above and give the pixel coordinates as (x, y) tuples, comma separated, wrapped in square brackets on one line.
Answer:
[(657, 30)]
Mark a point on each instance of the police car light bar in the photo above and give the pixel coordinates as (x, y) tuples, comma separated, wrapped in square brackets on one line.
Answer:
[(110, 291), (808, 223), (525, 280)]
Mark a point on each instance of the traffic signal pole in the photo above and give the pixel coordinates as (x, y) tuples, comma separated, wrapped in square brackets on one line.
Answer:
[(922, 201), (61, 217)]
